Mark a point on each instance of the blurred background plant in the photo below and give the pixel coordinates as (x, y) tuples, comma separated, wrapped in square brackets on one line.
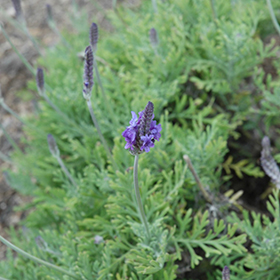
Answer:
[(210, 68)]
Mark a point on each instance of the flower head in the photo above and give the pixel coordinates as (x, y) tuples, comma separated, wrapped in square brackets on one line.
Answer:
[(40, 81), (18, 10), (93, 36), (142, 132), (88, 73), (226, 273), (52, 145), (153, 37)]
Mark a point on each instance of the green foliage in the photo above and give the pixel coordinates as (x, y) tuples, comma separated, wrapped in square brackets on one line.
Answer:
[(199, 84), (262, 262)]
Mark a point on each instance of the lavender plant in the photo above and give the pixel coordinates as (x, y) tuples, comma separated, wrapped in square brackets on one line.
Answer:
[(94, 231), (93, 39), (88, 84)]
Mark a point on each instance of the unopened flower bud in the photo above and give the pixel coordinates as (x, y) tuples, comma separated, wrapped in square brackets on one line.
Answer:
[(40, 81), (18, 10), (52, 146), (93, 36), (153, 37), (88, 73), (49, 12), (98, 239), (40, 242), (225, 273)]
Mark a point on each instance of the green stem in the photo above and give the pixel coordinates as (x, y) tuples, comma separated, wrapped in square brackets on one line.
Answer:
[(22, 58), (65, 170), (214, 12), (94, 120), (114, 3), (12, 142), (9, 110), (154, 2), (1, 278), (273, 17), (62, 114), (107, 104), (200, 186), (21, 25), (31, 38), (138, 196), (35, 259), (5, 158), (54, 28)]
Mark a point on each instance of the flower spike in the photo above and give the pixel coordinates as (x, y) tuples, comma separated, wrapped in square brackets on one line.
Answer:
[(93, 36), (40, 81), (88, 73), (142, 132), (226, 273), (153, 37)]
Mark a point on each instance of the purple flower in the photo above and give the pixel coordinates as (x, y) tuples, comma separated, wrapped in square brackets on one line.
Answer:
[(142, 132), (40, 81), (93, 36), (88, 73), (226, 273)]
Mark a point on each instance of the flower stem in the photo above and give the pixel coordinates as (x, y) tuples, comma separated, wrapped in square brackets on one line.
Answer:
[(138, 197), (22, 58), (273, 17), (94, 120), (35, 259), (5, 158), (154, 2), (204, 192), (10, 139), (65, 117), (213, 8), (65, 170)]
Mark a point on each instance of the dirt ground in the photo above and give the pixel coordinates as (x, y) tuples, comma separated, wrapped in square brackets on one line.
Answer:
[(14, 77)]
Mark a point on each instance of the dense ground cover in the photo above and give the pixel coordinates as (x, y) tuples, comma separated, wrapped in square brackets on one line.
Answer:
[(215, 100)]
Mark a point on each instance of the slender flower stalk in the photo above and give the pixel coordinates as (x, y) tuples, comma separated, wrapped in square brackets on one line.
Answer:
[(13, 113), (200, 186), (88, 85), (154, 2), (114, 4), (273, 17), (22, 23), (35, 259), (5, 158), (42, 92), (53, 26), (140, 137), (93, 39), (56, 154), (213, 8), (10, 139), (22, 58), (138, 196)]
